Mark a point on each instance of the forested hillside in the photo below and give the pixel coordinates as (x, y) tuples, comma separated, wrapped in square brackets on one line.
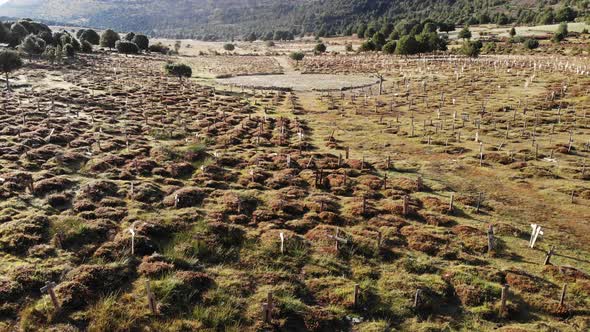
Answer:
[(207, 19)]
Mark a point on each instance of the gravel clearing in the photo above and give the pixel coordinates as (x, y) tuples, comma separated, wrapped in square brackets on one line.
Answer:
[(300, 82)]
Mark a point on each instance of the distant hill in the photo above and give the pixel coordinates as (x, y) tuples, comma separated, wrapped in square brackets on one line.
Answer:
[(235, 18)]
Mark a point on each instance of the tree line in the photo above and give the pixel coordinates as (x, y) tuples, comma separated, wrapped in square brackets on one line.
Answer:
[(26, 38)]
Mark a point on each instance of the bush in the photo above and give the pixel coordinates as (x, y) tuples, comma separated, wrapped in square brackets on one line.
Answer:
[(379, 40), (367, 46), (297, 56), (69, 50), (558, 37), (18, 31), (76, 45), (91, 36), (561, 33), (465, 33), (471, 49), (229, 47), (563, 28), (129, 36), (531, 44), (320, 48), (566, 14), (141, 41), (179, 70), (33, 45), (407, 45), (489, 48), (9, 61), (86, 47), (517, 40), (109, 38), (64, 39), (47, 37), (126, 47), (250, 37), (390, 47), (159, 48)]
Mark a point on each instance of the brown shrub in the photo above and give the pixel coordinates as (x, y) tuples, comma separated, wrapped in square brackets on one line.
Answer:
[(179, 170), (187, 197), (98, 190), (51, 185), (154, 266)]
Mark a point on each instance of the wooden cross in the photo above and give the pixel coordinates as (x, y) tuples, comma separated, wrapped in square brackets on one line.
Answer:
[(451, 203), (151, 298), (562, 298), (267, 308), (491, 240), (338, 239), (405, 205), (504, 298), (356, 295), (479, 201), (417, 298), (48, 288), (549, 255)]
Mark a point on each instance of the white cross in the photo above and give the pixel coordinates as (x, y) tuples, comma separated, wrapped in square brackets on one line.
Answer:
[(535, 234)]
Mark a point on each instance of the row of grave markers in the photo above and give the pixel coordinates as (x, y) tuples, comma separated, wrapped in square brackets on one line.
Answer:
[(268, 306)]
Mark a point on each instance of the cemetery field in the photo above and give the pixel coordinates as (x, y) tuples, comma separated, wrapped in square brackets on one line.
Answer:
[(454, 195)]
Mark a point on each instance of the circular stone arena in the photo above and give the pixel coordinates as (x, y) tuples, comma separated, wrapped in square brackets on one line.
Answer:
[(301, 82)]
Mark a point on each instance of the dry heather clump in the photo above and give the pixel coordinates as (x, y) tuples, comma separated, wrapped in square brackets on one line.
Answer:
[(435, 204), (185, 197), (88, 282), (180, 170), (566, 273), (527, 282), (96, 191), (422, 241), (148, 193), (408, 185), (52, 185)]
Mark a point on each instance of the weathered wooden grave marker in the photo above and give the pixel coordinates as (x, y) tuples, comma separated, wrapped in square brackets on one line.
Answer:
[(49, 289)]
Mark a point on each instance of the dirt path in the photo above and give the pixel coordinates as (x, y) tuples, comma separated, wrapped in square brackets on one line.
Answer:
[(286, 65)]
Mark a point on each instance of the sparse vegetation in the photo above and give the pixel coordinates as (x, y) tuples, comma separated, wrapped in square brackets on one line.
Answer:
[(109, 38), (142, 42), (9, 62), (297, 56), (179, 70), (229, 47), (126, 47), (320, 48), (531, 43), (90, 36)]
